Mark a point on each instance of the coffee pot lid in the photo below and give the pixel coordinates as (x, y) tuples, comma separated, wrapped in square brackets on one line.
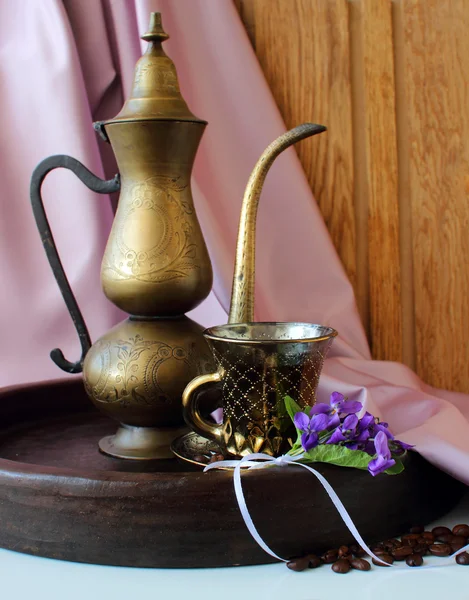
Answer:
[(155, 92)]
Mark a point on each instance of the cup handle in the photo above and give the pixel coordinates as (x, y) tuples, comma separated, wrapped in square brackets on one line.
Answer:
[(190, 404)]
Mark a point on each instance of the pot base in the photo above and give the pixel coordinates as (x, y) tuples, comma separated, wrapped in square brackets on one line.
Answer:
[(141, 443)]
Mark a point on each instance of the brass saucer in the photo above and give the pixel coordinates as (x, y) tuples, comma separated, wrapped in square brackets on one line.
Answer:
[(197, 450)]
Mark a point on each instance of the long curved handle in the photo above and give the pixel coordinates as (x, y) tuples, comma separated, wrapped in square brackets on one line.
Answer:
[(242, 292), (95, 184), (190, 407)]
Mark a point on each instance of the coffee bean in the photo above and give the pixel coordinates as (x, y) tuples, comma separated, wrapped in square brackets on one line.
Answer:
[(344, 552), (330, 557), (360, 564), (386, 557), (461, 530), (392, 543), (428, 535), (458, 539), (357, 551), (341, 566), (414, 560), (456, 547), (314, 561), (410, 536), (298, 564), (424, 541), (444, 538), (421, 549), (378, 548), (416, 529), (440, 531), (440, 549), (402, 552), (462, 559), (200, 458)]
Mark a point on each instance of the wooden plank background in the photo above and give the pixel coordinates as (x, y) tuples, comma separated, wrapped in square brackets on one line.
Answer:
[(390, 80)]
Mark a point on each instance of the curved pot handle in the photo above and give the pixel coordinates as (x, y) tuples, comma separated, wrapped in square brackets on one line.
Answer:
[(95, 184)]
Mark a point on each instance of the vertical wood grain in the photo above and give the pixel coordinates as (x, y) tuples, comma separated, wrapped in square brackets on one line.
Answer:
[(303, 48), (391, 176), (375, 133), (436, 47)]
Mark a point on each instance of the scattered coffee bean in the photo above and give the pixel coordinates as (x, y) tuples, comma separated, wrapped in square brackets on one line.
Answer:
[(360, 564), (392, 543), (344, 552), (200, 458), (410, 536), (314, 561), (440, 549), (444, 538), (341, 566), (416, 529), (402, 552), (461, 530), (386, 557), (424, 541), (357, 551), (440, 531), (414, 560), (458, 539), (456, 547), (462, 559), (330, 557), (428, 535), (298, 564), (378, 548), (421, 549)]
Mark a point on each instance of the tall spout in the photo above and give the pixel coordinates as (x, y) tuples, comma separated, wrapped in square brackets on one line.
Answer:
[(242, 292)]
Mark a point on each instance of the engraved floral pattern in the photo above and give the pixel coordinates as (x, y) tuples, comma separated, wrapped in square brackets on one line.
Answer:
[(174, 255)]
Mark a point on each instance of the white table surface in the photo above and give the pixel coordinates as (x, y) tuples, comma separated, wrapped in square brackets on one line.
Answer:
[(25, 577)]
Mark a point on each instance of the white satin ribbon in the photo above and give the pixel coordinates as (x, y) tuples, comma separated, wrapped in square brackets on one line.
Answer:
[(261, 461)]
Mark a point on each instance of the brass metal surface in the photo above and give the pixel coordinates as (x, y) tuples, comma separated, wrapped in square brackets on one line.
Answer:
[(242, 291), (155, 267), (156, 262), (141, 443), (195, 449), (258, 365), (155, 92)]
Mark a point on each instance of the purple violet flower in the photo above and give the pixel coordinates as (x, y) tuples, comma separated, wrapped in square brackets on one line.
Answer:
[(383, 460), (338, 405), (344, 432), (310, 428)]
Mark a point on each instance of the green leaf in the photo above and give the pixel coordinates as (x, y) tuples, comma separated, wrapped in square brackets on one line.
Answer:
[(395, 469), (339, 455), (291, 406)]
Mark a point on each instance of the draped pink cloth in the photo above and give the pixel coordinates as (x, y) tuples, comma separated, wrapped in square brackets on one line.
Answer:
[(65, 63)]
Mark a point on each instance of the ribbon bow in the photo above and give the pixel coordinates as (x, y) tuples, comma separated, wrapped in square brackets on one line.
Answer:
[(260, 461)]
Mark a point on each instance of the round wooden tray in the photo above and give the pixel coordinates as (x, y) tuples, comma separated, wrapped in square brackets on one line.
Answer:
[(61, 498)]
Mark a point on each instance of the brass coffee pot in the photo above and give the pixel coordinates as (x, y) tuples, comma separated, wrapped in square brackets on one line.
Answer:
[(155, 267)]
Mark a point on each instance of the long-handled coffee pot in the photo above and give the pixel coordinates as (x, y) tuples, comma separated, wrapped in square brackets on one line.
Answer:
[(258, 364), (155, 267)]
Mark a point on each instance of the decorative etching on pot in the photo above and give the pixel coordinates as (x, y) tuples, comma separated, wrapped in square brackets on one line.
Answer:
[(162, 218), (138, 376), (158, 73)]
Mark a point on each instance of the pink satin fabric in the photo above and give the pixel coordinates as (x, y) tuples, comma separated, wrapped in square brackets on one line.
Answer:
[(66, 63)]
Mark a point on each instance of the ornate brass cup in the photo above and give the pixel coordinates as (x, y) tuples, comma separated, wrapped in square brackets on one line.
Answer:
[(155, 266), (258, 364)]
